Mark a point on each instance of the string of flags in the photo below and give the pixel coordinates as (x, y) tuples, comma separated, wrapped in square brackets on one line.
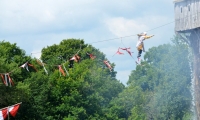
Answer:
[(25, 65), (127, 50), (42, 64), (7, 80)]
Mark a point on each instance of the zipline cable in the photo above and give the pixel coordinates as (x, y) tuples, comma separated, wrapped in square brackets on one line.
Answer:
[(130, 35), (195, 14)]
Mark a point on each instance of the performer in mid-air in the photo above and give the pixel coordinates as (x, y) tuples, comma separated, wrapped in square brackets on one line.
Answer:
[(140, 45)]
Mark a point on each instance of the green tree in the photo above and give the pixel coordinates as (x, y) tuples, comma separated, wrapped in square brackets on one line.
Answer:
[(84, 94), (11, 57), (159, 88)]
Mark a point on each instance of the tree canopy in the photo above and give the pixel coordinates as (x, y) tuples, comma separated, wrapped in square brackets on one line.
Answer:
[(82, 94), (159, 88)]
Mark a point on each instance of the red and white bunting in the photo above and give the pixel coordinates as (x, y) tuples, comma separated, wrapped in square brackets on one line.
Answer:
[(3, 113), (108, 65), (11, 109)]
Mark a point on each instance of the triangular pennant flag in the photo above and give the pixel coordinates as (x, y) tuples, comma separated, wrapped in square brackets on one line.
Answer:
[(10, 80), (32, 66), (76, 58), (73, 58), (107, 64), (127, 50), (61, 70), (3, 113), (7, 79), (42, 64), (13, 110), (118, 52), (91, 56), (3, 79), (25, 65)]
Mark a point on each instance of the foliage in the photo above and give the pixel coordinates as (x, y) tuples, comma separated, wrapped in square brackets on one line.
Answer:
[(159, 88), (10, 57), (83, 94)]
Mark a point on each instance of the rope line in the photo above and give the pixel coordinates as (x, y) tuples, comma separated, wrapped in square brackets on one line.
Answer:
[(195, 14)]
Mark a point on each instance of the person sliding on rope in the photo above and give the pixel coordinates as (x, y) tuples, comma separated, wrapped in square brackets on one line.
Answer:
[(140, 45)]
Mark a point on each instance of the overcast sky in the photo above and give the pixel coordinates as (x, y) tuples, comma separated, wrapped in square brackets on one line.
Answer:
[(35, 24)]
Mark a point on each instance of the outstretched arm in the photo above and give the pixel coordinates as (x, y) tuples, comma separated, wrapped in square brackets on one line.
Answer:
[(147, 37)]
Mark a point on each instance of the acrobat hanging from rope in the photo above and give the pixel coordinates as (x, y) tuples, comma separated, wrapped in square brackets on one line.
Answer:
[(140, 45)]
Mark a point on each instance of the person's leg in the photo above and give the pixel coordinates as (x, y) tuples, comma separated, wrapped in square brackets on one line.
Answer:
[(139, 53)]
